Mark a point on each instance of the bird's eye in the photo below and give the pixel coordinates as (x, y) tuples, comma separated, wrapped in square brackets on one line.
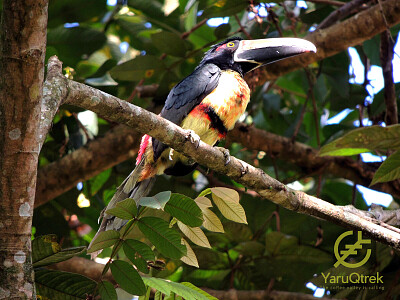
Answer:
[(231, 44)]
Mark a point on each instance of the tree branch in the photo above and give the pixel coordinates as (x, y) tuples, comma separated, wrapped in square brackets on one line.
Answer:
[(339, 37), (307, 157), (251, 177), (341, 13)]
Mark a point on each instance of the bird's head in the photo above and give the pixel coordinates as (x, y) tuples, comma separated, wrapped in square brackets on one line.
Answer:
[(246, 55)]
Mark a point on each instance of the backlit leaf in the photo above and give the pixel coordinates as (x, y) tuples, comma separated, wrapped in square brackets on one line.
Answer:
[(230, 209), (195, 234), (364, 139), (389, 169), (190, 257)]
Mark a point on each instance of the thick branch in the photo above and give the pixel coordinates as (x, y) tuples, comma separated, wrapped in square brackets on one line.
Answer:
[(22, 53), (307, 157), (341, 13), (251, 177)]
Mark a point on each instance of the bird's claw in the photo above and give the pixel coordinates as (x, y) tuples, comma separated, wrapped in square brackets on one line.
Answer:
[(193, 137), (243, 170), (226, 154)]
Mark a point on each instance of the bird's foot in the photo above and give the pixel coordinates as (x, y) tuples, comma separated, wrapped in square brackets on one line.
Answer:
[(193, 137), (226, 154)]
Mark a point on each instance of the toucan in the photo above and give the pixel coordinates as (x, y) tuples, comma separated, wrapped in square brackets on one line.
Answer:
[(208, 102)]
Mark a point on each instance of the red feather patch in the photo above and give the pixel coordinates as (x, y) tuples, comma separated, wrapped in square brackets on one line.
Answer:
[(143, 145)]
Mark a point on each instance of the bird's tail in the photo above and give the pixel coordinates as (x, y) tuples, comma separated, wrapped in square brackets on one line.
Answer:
[(131, 187)]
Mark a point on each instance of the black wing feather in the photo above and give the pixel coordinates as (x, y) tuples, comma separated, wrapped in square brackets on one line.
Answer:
[(186, 95)]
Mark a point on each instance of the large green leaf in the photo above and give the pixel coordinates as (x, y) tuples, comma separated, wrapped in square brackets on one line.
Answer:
[(165, 239), (364, 139), (46, 251), (389, 170), (127, 277), (170, 43), (184, 209), (57, 285), (138, 253), (140, 67), (72, 43), (70, 11), (103, 240)]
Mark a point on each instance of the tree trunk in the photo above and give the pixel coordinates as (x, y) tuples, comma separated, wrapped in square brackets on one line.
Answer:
[(23, 46)]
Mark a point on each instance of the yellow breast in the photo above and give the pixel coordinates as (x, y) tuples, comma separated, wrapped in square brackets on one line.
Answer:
[(230, 98)]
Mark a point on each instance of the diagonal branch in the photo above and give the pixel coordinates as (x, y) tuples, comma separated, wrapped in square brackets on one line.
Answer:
[(251, 177)]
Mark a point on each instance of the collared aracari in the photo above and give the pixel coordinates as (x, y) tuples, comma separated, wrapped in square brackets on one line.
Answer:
[(208, 102)]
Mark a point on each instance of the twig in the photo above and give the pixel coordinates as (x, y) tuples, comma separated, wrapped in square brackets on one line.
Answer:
[(341, 13), (329, 2), (194, 28), (386, 57), (242, 29)]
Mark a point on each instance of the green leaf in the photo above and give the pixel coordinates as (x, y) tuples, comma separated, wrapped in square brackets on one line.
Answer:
[(389, 169), (169, 43), (205, 193), (157, 201), (69, 11), (138, 253), (127, 277), (72, 43), (230, 209), (62, 285), (97, 182), (184, 209), (103, 240), (125, 210), (46, 251), (107, 291), (222, 30), (363, 140), (165, 239), (195, 234), (138, 68)]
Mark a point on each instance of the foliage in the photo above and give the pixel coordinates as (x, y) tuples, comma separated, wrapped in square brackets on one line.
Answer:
[(248, 244)]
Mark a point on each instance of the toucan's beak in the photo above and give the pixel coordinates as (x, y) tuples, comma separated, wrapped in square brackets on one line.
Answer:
[(255, 53)]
